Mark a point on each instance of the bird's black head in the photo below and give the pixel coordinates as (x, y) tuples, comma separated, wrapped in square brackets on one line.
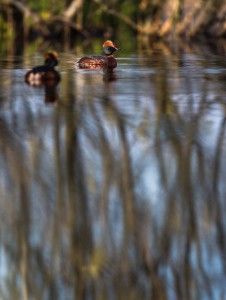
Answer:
[(109, 48)]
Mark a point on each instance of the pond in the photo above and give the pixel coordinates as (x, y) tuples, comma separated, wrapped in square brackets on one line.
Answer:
[(112, 184)]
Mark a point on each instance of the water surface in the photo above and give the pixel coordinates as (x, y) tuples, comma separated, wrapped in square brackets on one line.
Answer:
[(112, 184)]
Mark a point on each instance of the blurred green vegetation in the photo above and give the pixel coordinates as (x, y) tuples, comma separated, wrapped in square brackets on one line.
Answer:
[(67, 21)]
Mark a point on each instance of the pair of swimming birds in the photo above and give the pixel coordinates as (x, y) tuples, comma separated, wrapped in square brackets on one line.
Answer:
[(47, 70)]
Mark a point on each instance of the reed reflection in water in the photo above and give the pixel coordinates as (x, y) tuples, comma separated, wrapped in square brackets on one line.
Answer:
[(118, 190)]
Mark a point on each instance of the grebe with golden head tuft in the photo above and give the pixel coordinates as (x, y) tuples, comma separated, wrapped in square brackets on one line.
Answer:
[(100, 61)]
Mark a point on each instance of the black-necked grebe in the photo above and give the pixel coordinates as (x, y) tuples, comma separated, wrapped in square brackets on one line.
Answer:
[(100, 61), (45, 72)]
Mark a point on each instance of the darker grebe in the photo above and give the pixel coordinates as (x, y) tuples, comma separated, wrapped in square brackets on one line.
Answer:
[(39, 74)]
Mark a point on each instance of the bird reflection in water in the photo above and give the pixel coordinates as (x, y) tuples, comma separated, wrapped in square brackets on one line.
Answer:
[(51, 90), (109, 75)]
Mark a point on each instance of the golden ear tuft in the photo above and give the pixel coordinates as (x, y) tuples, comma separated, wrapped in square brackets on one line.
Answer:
[(108, 43), (50, 54), (55, 54)]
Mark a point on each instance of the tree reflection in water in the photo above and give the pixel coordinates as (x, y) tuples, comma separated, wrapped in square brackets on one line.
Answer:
[(119, 190)]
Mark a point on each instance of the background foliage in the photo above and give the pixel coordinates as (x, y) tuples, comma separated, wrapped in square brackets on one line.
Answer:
[(25, 20)]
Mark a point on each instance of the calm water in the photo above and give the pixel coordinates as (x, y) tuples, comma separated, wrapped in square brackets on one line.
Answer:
[(112, 185)]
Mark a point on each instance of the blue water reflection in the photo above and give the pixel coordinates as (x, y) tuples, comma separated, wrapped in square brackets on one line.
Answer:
[(112, 184)]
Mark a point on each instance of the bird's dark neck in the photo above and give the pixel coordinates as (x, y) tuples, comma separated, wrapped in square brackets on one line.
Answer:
[(50, 63)]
